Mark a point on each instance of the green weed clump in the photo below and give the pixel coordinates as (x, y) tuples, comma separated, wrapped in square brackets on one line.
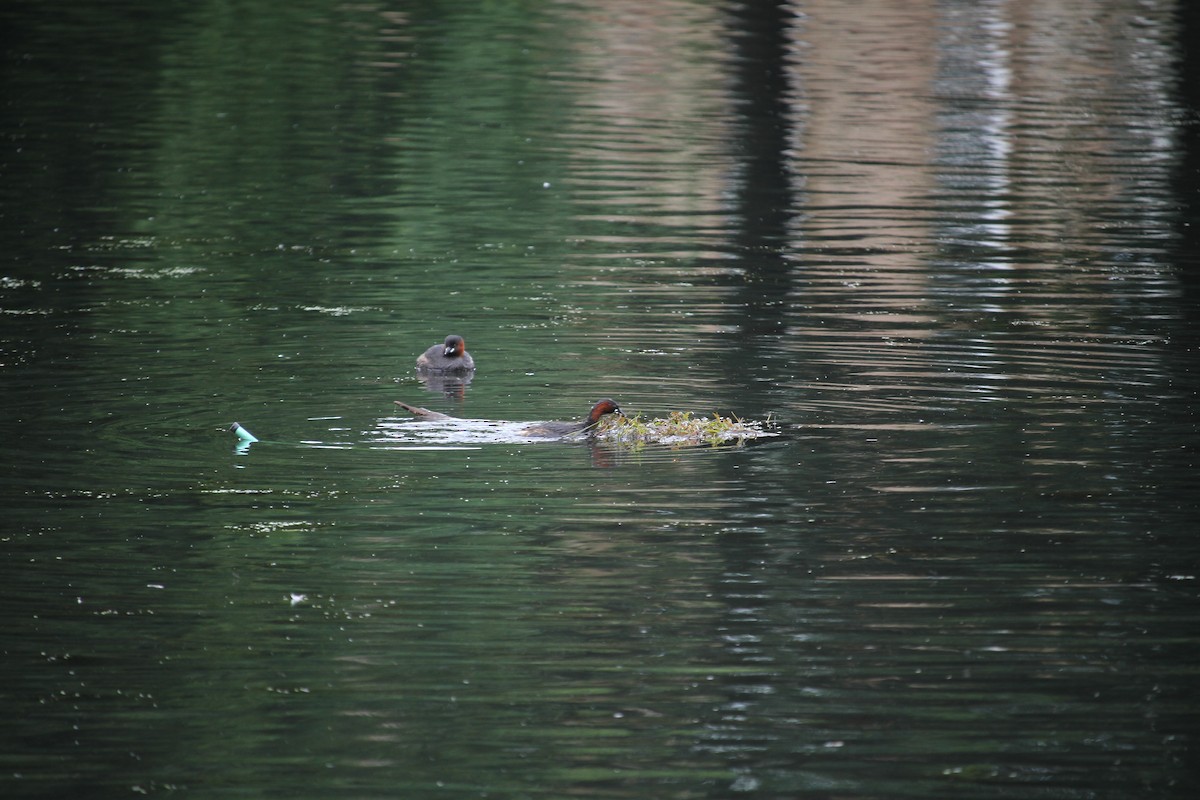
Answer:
[(680, 429)]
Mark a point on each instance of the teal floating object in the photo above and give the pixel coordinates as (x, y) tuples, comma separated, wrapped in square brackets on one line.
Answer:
[(242, 433)]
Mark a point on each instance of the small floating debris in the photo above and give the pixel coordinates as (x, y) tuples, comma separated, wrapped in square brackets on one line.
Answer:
[(245, 438), (242, 433), (681, 429)]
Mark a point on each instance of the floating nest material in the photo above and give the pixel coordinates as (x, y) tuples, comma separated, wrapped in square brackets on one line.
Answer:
[(681, 429)]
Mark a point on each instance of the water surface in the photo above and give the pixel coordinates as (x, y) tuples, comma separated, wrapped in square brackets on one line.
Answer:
[(949, 247)]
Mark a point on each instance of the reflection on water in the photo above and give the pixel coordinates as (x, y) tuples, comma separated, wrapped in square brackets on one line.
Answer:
[(452, 386), (947, 246)]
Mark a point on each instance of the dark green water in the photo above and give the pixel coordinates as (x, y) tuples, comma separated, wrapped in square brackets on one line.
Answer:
[(950, 247)]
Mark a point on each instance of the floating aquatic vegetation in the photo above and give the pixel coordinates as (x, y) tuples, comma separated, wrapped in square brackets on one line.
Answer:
[(681, 428)]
